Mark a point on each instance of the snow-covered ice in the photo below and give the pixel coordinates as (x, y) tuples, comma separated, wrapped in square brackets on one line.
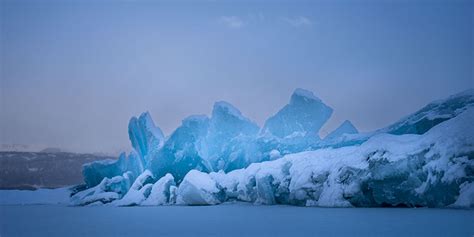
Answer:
[(425, 159), (198, 188), (162, 192)]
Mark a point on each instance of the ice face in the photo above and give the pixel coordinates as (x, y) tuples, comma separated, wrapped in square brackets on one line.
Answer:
[(181, 152), (145, 136), (229, 137), (345, 128), (302, 117)]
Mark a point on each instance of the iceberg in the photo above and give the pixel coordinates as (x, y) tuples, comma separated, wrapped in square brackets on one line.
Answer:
[(225, 141), (146, 140), (229, 131), (181, 152), (424, 159), (345, 128), (302, 117), (96, 171), (145, 136), (434, 169), (110, 189)]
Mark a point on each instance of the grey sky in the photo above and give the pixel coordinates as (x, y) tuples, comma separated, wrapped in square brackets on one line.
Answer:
[(74, 72)]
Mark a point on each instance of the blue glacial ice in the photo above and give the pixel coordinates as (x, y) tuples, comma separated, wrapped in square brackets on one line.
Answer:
[(302, 117), (345, 128), (95, 172), (425, 159), (229, 137), (182, 151), (146, 139)]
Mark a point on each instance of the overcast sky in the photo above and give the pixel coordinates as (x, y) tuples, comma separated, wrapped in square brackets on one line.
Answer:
[(74, 72)]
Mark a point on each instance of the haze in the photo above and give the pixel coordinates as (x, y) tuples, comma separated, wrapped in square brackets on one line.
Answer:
[(74, 72)]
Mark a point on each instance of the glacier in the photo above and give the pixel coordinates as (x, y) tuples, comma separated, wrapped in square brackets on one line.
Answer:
[(424, 159)]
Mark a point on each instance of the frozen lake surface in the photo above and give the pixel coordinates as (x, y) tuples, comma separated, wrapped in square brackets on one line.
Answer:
[(231, 220)]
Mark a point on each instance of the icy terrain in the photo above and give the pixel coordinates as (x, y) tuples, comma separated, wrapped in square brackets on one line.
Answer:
[(425, 159)]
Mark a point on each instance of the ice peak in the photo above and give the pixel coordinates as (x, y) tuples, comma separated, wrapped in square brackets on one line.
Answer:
[(305, 114), (146, 116), (222, 107), (348, 124), (300, 94), (345, 128), (198, 118), (144, 135)]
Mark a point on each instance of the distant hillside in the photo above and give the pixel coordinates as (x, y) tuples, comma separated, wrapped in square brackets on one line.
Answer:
[(31, 170)]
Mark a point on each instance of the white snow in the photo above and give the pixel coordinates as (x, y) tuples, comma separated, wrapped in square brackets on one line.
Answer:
[(274, 154), (197, 188), (160, 192), (138, 192)]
